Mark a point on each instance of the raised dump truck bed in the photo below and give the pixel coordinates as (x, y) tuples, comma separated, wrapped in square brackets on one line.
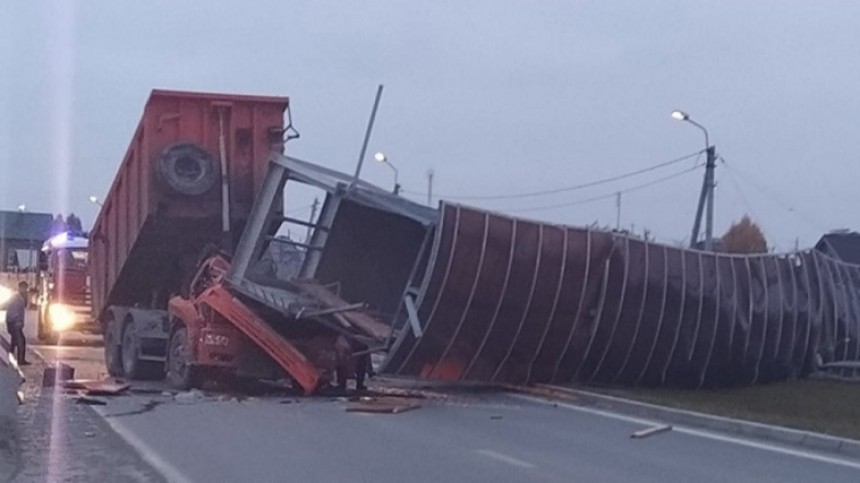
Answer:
[(165, 203)]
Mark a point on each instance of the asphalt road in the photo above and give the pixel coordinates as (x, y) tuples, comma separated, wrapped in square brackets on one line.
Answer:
[(478, 437), (457, 436)]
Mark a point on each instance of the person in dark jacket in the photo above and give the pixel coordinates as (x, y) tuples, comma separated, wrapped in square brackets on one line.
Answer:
[(15, 313)]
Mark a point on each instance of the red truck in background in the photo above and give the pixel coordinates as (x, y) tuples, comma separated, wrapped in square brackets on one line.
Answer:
[(65, 299)]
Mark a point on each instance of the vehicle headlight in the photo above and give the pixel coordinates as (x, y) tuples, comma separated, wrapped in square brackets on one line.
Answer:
[(62, 316), (5, 294)]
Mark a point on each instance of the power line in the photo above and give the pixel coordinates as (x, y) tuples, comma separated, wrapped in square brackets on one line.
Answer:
[(751, 181), (606, 196), (568, 188), (737, 186)]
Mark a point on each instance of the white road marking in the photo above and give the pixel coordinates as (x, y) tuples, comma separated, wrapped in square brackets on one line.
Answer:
[(703, 434), (505, 458), (167, 470)]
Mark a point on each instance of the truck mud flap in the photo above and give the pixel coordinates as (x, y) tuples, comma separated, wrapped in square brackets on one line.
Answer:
[(282, 351), (516, 301)]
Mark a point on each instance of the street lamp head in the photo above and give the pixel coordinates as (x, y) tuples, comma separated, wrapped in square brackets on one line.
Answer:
[(22, 208), (380, 157), (94, 199), (680, 115)]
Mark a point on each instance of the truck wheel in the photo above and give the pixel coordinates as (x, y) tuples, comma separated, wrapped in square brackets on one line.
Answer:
[(188, 169), (113, 357), (181, 374), (132, 366)]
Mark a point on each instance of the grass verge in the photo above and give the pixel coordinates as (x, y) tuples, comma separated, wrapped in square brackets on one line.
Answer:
[(831, 407)]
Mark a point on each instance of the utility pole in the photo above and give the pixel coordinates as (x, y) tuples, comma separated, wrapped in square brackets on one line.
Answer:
[(618, 211), (706, 203), (314, 207), (430, 175), (710, 165)]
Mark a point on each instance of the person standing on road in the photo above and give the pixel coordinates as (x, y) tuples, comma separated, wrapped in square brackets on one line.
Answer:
[(15, 313)]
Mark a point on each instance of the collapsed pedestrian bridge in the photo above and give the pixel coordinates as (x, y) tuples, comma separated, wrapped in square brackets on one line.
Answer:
[(472, 295)]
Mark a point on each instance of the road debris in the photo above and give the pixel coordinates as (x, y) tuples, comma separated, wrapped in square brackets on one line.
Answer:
[(57, 373), (189, 397), (94, 387), (147, 407), (661, 428), (89, 401), (149, 392), (383, 405)]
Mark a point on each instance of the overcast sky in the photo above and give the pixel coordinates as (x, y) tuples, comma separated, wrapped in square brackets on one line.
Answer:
[(497, 97)]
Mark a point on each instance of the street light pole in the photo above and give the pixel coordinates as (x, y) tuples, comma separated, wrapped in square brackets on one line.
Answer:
[(384, 160), (706, 197)]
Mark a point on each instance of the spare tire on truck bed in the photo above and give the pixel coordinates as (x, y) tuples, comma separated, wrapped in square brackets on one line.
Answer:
[(188, 169)]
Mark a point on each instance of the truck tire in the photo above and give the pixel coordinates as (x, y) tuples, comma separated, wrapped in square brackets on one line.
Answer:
[(181, 374), (132, 366), (188, 169), (113, 355)]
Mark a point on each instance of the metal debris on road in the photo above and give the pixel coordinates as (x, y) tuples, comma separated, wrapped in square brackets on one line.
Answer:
[(662, 428), (383, 405)]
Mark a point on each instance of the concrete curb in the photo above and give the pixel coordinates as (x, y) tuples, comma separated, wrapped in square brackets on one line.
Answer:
[(768, 432)]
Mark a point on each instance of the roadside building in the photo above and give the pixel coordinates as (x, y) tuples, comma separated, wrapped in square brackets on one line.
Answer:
[(21, 238), (843, 245)]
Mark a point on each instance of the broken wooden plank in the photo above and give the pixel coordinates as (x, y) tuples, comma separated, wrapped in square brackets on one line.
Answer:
[(661, 428), (330, 311), (382, 405), (95, 387), (349, 318)]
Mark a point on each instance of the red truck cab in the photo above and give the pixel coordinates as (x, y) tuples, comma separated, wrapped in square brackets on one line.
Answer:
[(65, 297)]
